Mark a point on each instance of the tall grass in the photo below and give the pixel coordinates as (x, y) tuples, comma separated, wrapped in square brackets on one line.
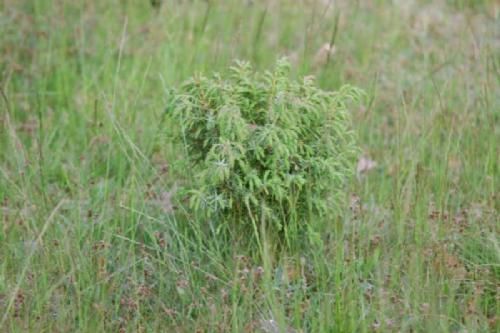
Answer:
[(90, 241)]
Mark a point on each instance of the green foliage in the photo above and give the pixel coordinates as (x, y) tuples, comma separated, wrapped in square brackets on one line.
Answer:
[(266, 147), (88, 238)]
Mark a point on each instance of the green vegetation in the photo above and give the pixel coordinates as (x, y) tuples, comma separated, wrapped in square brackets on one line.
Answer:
[(92, 239), (268, 150)]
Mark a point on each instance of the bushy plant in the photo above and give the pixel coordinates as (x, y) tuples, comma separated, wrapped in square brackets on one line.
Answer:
[(265, 147)]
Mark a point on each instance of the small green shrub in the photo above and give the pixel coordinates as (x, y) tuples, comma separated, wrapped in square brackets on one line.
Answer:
[(265, 147)]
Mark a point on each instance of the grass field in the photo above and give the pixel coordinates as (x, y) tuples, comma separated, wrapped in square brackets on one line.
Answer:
[(92, 241)]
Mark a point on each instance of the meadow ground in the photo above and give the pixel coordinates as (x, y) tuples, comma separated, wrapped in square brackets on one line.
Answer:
[(90, 240)]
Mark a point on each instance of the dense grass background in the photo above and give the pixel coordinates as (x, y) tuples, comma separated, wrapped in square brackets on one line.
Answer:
[(89, 239)]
